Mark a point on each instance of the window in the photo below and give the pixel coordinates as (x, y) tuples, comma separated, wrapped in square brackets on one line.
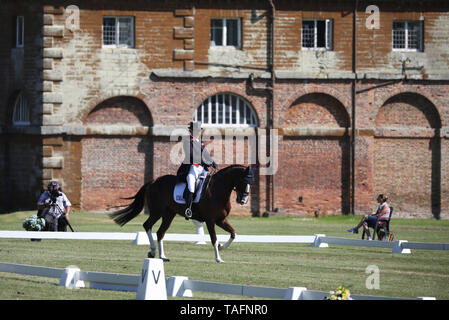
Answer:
[(225, 110), (225, 32), (118, 32), (21, 112), (407, 35), (20, 28), (317, 34)]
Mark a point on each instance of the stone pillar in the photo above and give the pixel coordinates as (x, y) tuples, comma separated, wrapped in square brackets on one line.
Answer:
[(52, 98), (186, 32)]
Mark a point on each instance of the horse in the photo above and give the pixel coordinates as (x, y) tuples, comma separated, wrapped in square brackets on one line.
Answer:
[(213, 207)]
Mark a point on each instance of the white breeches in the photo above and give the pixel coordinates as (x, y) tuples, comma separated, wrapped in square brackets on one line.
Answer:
[(192, 176)]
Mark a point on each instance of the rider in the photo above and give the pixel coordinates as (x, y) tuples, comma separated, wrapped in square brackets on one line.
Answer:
[(197, 160), (54, 207)]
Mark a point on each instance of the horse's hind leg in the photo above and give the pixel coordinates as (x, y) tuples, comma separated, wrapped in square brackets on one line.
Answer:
[(166, 221), (225, 225), (148, 225)]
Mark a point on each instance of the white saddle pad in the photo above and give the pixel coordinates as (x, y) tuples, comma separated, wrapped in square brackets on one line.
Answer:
[(178, 192)]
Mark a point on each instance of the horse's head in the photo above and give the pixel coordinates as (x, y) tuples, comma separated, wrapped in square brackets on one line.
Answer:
[(243, 186)]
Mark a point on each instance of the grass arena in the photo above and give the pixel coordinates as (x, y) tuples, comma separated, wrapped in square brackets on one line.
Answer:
[(281, 265)]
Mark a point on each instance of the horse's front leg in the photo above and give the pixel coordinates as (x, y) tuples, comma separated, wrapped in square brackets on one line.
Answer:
[(225, 225), (166, 221), (213, 239)]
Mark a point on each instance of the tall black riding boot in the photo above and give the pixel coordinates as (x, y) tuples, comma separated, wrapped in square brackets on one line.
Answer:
[(189, 200)]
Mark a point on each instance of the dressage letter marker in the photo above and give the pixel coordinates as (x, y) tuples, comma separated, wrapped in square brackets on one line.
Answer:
[(152, 281)]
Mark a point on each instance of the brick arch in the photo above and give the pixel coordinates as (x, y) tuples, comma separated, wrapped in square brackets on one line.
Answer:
[(115, 166), (309, 190), (307, 95), (407, 153), (408, 109), (105, 101), (316, 109)]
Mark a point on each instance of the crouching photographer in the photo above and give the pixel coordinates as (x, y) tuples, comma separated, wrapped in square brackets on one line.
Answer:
[(54, 207)]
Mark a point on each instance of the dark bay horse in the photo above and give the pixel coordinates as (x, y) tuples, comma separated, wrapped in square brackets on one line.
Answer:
[(213, 208)]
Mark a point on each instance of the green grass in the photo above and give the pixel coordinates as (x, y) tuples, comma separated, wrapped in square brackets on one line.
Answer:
[(422, 273)]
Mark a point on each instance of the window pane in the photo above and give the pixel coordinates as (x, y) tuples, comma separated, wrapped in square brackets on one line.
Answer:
[(206, 111), (234, 107), (398, 35), (321, 34), (248, 114), (414, 35), (125, 31), (217, 23), (21, 112), (226, 106), (232, 32), (216, 32), (242, 112), (225, 110), (220, 108), (108, 31), (214, 110), (308, 34)]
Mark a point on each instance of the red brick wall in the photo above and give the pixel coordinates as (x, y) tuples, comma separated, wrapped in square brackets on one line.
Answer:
[(113, 167), (387, 119)]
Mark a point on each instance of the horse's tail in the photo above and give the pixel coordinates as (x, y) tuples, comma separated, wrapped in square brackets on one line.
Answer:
[(121, 217)]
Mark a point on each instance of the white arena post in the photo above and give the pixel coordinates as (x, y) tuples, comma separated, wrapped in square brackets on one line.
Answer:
[(398, 247), (152, 281), (176, 288), (70, 278), (318, 243), (294, 293)]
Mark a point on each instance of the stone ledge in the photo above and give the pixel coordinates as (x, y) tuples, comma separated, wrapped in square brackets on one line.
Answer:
[(184, 12), (55, 127), (52, 162), (314, 131), (53, 31), (51, 97), (48, 19), (178, 73), (181, 54), (51, 75), (56, 53), (183, 33), (52, 120)]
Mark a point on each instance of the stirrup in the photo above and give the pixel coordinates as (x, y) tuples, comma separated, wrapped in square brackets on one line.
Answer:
[(188, 213)]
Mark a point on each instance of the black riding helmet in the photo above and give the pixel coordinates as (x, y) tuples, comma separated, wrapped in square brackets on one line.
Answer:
[(53, 185), (195, 125)]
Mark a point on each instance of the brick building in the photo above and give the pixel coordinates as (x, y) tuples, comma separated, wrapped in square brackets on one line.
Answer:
[(91, 92)]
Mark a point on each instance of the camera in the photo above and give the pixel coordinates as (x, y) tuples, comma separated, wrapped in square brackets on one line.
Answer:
[(54, 195)]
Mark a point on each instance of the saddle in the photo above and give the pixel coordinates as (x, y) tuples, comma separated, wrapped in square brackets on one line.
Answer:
[(180, 188)]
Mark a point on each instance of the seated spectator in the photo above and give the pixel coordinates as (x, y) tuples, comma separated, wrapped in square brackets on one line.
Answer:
[(369, 221)]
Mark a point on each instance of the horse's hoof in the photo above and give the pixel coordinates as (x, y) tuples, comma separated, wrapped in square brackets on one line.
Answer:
[(150, 255), (165, 259), (221, 247), (219, 260)]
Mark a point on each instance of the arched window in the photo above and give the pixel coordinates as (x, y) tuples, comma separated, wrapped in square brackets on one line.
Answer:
[(21, 112), (225, 110)]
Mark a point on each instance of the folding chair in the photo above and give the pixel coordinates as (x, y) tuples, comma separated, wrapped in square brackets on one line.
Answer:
[(382, 226)]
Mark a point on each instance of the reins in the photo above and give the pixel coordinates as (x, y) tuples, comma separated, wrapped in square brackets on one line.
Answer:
[(208, 181)]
